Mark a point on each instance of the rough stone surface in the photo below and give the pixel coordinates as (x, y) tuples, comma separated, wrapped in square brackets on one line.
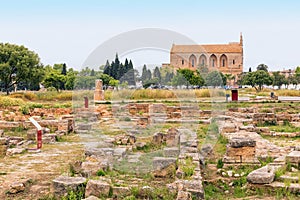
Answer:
[(120, 191), (183, 195), (16, 188), (120, 152), (242, 142), (172, 137), (171, 151), (90, 168), (14, 151), (294, 157), (97, 188), (62, 184), (91, 198), (158, 138), (162, 162), (264, 175)]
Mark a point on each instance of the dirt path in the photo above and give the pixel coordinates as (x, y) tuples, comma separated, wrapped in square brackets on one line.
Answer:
[(41, 167)]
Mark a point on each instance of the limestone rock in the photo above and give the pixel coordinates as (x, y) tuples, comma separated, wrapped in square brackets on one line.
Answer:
[(242, 142), (63, 184), (164, 167), (140, 145), (294, 157), (120, 191), (16, 187), (90, 168), (14, 151), (183, 195), (162, 162), (264, 175), (171, 151), (91, 198), (172, 137), (97, 188), (158, 138)]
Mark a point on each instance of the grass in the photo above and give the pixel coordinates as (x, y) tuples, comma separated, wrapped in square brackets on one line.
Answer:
[(265, 161), (163, 94), (286, 127), (6, 102), (188, 167)]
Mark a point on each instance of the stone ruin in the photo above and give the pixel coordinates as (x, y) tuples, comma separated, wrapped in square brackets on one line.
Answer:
[(180, 144), (10, 145), (240, 150), (99, 92)]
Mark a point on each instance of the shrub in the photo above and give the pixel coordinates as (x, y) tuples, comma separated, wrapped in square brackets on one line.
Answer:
[(188, 167), (100, 172), (220, 163), (279, 172), (8, 102), (30, 96), (25, 109)]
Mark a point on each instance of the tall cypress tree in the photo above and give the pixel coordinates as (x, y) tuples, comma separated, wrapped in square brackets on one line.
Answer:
[(131, 77), (116, 68), (112, 69), (64, 69), (107, 68), (149, 74), (144, 73), (157, 74)]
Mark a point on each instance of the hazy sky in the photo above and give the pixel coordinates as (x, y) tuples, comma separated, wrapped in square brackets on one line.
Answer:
[(68, 31)]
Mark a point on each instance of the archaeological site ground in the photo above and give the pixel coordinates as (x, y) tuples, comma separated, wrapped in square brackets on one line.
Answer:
[(151, 144)]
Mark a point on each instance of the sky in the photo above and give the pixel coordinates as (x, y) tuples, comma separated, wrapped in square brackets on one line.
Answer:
[(69, 31)]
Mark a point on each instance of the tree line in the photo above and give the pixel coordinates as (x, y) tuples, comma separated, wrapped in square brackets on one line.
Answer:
[(21, 68), (262, 76)]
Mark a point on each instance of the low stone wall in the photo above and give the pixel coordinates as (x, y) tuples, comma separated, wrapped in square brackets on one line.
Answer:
[(274, 118), (240, 150)]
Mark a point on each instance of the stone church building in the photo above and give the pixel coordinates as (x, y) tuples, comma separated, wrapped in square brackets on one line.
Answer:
[(227, 58)]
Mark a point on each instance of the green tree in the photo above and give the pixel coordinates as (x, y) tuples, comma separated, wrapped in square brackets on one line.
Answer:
[(187, 74), (70, 79), (114, 83), (279, 79), (202, 71), (229, 77), (257, 79), (178, 80), (64, 69), (168, 77), (148, 75), (293, 79), (215, 78), (54, 79), (157, 74), (197, 80), (93, 72), (144, 73), (17, 64), (107, 68), (262, 67)]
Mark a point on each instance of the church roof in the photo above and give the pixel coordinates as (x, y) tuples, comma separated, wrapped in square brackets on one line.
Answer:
[(208, 48)]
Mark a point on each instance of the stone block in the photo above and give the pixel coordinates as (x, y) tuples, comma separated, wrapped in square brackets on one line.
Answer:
[(160, 163), (13, 151), (120, 191), (158, 138), (171, 151), (63, 184), (183, 195), (242, 142), (172, 137), (293, 157), (97, 188), (264, 175)]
